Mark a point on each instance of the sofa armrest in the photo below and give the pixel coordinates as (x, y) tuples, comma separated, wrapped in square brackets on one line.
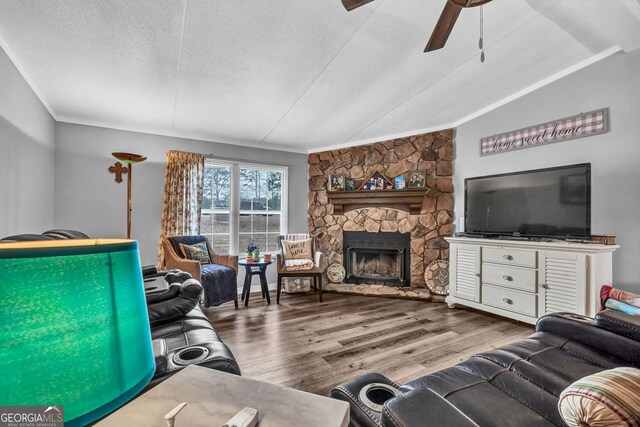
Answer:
[(564, 324), (586, 331), (421, 408), (619, 323), (279, 262), (190, 266), (173, 262), (228, 260), (174, 303)]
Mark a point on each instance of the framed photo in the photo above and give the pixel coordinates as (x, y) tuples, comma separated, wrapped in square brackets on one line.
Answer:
[(400, 182), (417, 179), (351, 184), (336, 182)]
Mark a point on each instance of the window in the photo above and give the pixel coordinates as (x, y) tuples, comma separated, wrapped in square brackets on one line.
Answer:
[(260, 208), (241, 204), (216, 206)]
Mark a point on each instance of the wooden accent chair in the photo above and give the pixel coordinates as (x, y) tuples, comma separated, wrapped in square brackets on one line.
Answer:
[(219, 279), (318, 259)]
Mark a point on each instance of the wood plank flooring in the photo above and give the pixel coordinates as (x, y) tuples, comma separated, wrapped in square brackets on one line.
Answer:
[(313, 347)]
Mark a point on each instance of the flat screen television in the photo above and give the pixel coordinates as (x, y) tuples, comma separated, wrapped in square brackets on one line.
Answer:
[(553, 202)]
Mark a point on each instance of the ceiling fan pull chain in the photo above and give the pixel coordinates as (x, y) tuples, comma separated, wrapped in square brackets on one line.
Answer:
[(480, 42)]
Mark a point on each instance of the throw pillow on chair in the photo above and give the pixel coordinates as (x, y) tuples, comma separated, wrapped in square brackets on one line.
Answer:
[(197, 252), (297, 249)]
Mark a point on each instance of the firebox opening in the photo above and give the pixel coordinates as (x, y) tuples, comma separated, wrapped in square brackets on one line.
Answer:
[(376, 258)]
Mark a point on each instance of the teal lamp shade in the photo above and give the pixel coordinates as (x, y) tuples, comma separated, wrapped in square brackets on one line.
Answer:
[(74, 329)]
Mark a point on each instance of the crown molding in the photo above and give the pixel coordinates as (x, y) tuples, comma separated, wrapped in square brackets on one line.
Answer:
[(22, 71), (184, 135)]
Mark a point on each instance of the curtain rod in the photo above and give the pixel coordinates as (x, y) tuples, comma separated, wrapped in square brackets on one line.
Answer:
[(233, 159)]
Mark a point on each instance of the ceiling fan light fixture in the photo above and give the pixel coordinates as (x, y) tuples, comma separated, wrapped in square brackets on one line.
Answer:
[(445, 23)]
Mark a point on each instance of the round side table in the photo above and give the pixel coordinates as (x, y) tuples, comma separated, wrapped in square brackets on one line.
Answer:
[(251, 269)]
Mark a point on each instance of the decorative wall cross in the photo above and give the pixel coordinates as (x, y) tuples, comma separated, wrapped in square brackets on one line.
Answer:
[(118, 169)]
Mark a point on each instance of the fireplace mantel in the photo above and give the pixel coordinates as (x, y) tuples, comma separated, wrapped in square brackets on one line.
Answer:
[(409, 199)]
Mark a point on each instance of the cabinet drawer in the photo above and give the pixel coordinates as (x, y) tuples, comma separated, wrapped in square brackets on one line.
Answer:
[(509, 276), (509, 256), (509, 299)]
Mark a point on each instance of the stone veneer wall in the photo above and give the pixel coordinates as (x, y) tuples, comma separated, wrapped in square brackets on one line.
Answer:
[(432, 152)]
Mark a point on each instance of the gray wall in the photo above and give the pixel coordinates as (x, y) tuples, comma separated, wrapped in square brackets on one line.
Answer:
[(88, 198), (615, 156), (27, 141)]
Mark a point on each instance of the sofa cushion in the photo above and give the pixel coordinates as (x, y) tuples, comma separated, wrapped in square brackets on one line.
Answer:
[(298, 264), (195, 319), (607, 398)]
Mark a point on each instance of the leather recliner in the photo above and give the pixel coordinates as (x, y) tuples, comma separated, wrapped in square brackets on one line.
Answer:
[(515, 385), (181, 334)]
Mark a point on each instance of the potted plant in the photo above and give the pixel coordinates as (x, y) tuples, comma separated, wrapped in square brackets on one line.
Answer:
[(253, 252)]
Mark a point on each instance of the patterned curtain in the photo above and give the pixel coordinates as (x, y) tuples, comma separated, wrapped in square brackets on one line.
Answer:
[(183, 184)]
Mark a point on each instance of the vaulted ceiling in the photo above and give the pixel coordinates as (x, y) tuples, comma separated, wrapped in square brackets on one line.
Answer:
[(300, 75)]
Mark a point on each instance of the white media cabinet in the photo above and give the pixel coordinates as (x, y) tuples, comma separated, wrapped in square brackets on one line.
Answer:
[(524, 280)]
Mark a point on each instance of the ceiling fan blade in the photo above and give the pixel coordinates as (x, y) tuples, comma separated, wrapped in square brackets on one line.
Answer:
[(469, 3), (353, 4), (443, 28)]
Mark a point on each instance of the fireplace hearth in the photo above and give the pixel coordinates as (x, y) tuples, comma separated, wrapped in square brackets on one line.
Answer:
[(377, 258)]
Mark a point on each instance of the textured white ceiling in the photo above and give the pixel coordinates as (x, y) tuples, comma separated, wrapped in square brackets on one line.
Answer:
[(299, 75)]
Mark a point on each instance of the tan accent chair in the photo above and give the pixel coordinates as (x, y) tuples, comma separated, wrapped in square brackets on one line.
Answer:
[(318, 259), (219, 278)]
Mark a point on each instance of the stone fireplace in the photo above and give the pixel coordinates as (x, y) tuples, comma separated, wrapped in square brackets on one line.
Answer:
[(376, 258), (423, 222)]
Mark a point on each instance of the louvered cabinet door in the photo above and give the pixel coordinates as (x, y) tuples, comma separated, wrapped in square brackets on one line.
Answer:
[(562, 286), (465, 272)]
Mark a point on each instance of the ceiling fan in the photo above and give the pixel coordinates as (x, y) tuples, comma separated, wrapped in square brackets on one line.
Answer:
[(445, 23)]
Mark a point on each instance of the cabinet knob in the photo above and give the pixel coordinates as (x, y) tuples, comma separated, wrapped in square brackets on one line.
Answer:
[(507, 257), (477, 274), (507, 278), (544, 285), (507, 301)]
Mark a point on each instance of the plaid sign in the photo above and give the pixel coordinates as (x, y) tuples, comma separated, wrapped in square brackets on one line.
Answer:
[(585, 124)]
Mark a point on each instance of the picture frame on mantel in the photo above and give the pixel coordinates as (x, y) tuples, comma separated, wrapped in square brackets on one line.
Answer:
[(351, 184), (336, 182), (417, 179)]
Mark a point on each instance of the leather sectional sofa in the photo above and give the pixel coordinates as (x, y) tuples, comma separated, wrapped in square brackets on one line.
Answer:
[(515, 385)]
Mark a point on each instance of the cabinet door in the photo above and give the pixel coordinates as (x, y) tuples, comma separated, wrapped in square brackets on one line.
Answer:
[(466, 272), (562, 284)]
